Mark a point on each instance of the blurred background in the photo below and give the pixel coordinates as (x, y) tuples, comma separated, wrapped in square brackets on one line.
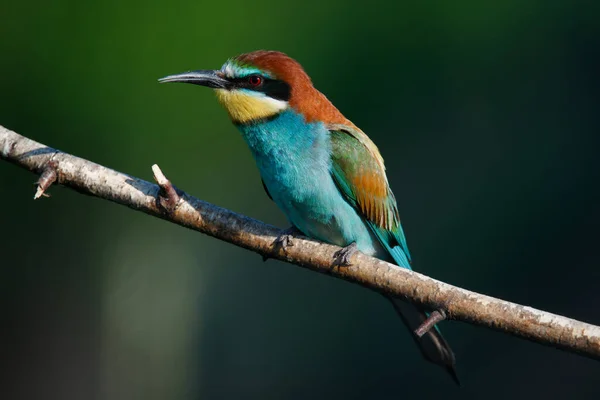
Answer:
[(486, 114)]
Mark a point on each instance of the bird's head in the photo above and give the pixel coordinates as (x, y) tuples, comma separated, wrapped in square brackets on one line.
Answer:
[(260, 85)]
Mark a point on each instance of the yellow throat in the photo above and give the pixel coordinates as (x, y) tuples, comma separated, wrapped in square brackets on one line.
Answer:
[(243, 107)]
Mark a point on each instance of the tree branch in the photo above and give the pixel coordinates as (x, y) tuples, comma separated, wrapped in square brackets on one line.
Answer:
[(185, 210)]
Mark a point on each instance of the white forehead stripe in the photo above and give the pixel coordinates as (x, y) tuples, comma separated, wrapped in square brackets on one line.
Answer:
[(228, 70)]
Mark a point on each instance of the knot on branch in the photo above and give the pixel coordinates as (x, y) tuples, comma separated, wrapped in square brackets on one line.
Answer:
[(8, 148)]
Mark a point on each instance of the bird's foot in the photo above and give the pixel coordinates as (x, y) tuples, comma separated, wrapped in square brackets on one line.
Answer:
[(343, 257), (284, 240)]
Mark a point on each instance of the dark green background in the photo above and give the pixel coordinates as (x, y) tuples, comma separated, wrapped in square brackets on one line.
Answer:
[(486, 114)]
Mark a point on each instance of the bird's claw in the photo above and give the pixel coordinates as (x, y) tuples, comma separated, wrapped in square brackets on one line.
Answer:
[(284, 240), (343, 257)]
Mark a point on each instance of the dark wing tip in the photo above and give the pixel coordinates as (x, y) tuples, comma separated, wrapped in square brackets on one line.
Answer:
[(451, 368)]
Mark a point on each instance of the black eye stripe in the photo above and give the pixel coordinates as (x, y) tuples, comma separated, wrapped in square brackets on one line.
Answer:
[(274, 88)]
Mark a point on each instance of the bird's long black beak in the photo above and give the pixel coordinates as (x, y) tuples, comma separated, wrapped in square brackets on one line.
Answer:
[(208, 78)]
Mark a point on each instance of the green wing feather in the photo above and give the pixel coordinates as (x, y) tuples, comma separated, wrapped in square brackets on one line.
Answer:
[(358, 170)]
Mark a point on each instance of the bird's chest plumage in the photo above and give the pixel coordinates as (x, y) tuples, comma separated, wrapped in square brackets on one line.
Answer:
[(294, 160)]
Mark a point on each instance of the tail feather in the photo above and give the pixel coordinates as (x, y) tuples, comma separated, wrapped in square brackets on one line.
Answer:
[(433, 346)]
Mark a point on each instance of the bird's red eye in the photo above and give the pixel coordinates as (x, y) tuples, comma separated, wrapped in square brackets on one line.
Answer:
[(254, 80)]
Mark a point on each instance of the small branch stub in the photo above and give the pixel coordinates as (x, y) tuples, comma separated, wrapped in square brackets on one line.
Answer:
[(434, 318), (168, 199), (47, 178)]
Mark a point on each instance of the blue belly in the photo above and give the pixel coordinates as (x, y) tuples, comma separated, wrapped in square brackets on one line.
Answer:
[(318, 209), (294, 161)]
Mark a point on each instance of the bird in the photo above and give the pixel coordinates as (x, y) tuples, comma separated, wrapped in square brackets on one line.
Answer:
[(320, 169)]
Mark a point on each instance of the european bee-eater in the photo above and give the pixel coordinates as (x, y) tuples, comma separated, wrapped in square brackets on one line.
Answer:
[(322, 171)]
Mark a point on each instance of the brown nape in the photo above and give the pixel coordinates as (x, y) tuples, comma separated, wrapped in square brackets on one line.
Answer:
[(304, 97)]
